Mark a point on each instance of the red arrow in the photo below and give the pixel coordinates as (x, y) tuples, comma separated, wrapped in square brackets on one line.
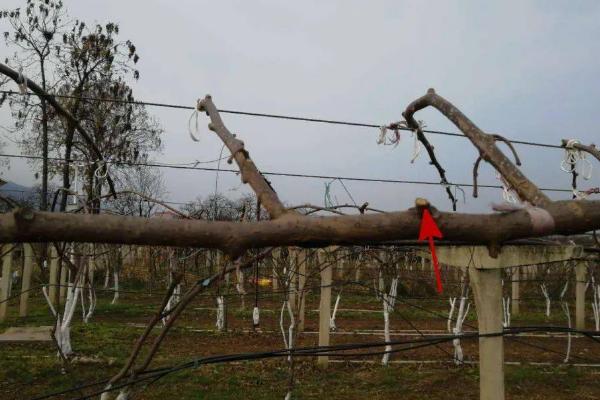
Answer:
[(430, 230)]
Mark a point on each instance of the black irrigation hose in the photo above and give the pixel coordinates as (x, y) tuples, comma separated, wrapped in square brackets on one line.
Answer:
[(332, 351)]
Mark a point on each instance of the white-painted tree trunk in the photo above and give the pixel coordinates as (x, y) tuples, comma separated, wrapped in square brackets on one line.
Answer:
[(565, 307), (92, 303), (173, 300), (115, 287), (506, 312), (288, 338), (389, 300), (332, 325), (458, 324), (63, 322), (547, 297), (106, 277), (239, 286), (220, 324), (123, 394), (596, 304)]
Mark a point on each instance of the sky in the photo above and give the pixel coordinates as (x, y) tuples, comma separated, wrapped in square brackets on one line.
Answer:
[(526, 70)]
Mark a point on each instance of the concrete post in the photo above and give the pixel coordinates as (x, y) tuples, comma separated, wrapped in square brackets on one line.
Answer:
[(357, 271), (487, 292), (324, 308), (26, 281), (53, 274), (342, 254), (515, 295), (580, 281), (302, 261), (5, 282)]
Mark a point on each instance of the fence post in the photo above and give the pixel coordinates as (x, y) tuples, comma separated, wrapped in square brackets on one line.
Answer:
[(487, 292), (324, 306), (26, 279), (6, 280)]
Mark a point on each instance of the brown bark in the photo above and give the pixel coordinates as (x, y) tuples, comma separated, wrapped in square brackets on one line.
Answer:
[(483, 142), (250, 174), (24, 225), (591, 149)]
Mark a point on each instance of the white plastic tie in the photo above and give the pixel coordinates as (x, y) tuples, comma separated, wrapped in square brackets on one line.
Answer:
[(102, 171), (508, 193), (256, 316), (384, 139), (416, 143), (382, 134), (576, 160), (194, 131)]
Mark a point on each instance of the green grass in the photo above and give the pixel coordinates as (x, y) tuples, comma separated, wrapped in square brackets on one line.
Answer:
[(33, 369)]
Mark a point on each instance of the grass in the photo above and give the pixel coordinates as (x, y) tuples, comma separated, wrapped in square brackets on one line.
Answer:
[(32, 369)]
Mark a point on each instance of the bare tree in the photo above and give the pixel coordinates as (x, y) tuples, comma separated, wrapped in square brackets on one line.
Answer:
[(34, 33), (66, 56), (137, 184)]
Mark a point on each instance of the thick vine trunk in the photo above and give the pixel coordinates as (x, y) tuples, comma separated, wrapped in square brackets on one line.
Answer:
[(26, 225)]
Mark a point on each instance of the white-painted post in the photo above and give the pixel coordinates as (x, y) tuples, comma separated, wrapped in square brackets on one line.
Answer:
[(487, 292), (324, 308), (5, 282), (580, 283), (302, 260), (516, 298), (26, 281)]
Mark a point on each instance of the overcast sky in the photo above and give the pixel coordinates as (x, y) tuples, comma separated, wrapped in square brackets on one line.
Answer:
[(527, 70)]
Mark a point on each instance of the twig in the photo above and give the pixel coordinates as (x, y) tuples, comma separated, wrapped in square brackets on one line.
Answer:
[(485, 143)]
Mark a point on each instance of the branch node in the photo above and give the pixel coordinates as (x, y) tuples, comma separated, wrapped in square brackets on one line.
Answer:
[(362, 208), (24, 214)]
